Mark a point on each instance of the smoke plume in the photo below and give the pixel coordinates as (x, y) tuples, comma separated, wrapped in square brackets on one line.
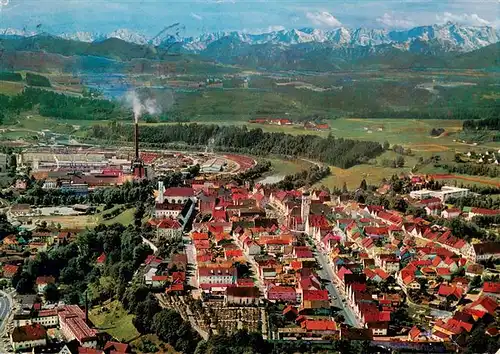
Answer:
[(139, 107)]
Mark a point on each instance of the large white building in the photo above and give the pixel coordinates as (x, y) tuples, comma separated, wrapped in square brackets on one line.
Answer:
[(444, 194)]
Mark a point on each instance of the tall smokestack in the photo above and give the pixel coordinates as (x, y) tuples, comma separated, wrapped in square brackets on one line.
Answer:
[(86, 308), (136, 140)]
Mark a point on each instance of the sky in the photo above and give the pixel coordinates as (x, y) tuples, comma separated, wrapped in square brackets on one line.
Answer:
[(254, 16)]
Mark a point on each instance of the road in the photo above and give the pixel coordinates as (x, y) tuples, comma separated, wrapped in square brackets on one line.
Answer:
[(191, 256), (327, 273), (6, 304)]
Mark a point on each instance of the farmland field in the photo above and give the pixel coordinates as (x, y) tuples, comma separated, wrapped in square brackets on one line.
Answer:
[(10, 87)]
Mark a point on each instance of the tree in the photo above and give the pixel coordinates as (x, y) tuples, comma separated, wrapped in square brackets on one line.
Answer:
[(386, 145), (24, 286), (363, 185), (51, 293), (400, 161), (344, 188), (476, 281)]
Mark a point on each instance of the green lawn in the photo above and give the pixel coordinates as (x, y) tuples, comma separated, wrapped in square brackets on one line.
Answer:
[(112, 318), (125, 218)]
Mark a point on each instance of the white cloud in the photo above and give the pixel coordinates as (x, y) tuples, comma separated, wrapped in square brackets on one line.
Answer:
[(323, 19), (390, 20), (464, 19), (196, 16), (274, 28)]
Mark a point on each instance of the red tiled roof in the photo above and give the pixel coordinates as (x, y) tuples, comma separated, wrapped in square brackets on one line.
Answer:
[(120, 347), (319, 325), (10, 269), (45, 280), (318, 295), (101, 259), (169, 223), (443, 271), (373, 230), (282, 290), (482, 211), (179, 192), (233, 253), (160, 278), (414, 332), (491, 287), (447, 290), (28, 333)]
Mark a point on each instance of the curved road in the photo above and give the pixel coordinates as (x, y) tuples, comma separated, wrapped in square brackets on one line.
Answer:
[(6, 304)]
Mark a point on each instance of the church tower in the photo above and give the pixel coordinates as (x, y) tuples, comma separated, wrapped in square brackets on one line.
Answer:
[(305, 208)]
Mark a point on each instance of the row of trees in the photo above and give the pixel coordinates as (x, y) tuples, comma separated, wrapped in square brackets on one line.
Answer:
[(37, 80), (51, 104), (253, 173), (340, 152), (473, 169), (304, 178), (243, 342), (477, 202), (492, 123)]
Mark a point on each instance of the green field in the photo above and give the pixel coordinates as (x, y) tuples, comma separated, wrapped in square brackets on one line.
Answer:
[(112, 318), (10, 87)]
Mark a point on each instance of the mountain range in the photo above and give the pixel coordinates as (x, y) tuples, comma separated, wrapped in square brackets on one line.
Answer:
[(449, 37), (439, 46)]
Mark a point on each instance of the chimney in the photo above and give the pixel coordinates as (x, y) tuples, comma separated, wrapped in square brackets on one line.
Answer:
[(136, 140), (86, 309)]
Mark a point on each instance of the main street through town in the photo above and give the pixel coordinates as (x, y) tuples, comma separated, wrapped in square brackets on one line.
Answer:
[(326, 272)]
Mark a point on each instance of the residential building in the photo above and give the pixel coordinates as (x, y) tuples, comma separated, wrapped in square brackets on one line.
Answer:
[(28, 336), (483, 251), (42, 282), (217, 275), (242, 296)]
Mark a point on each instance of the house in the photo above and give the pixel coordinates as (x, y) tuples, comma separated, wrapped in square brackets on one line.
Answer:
[(101, 260), (242, 296), (9, 270), (378, 328), (168, 228), (484, 251), (315, 299), (319, 327), (416, 335), (491, 289), (282, 294), (482, 212), (451, 213), (42, 282), (433, 210), (116, 348), (217, 275), (20, 185), (450, 292), (28, 336), (482, 306), (251, 247)]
